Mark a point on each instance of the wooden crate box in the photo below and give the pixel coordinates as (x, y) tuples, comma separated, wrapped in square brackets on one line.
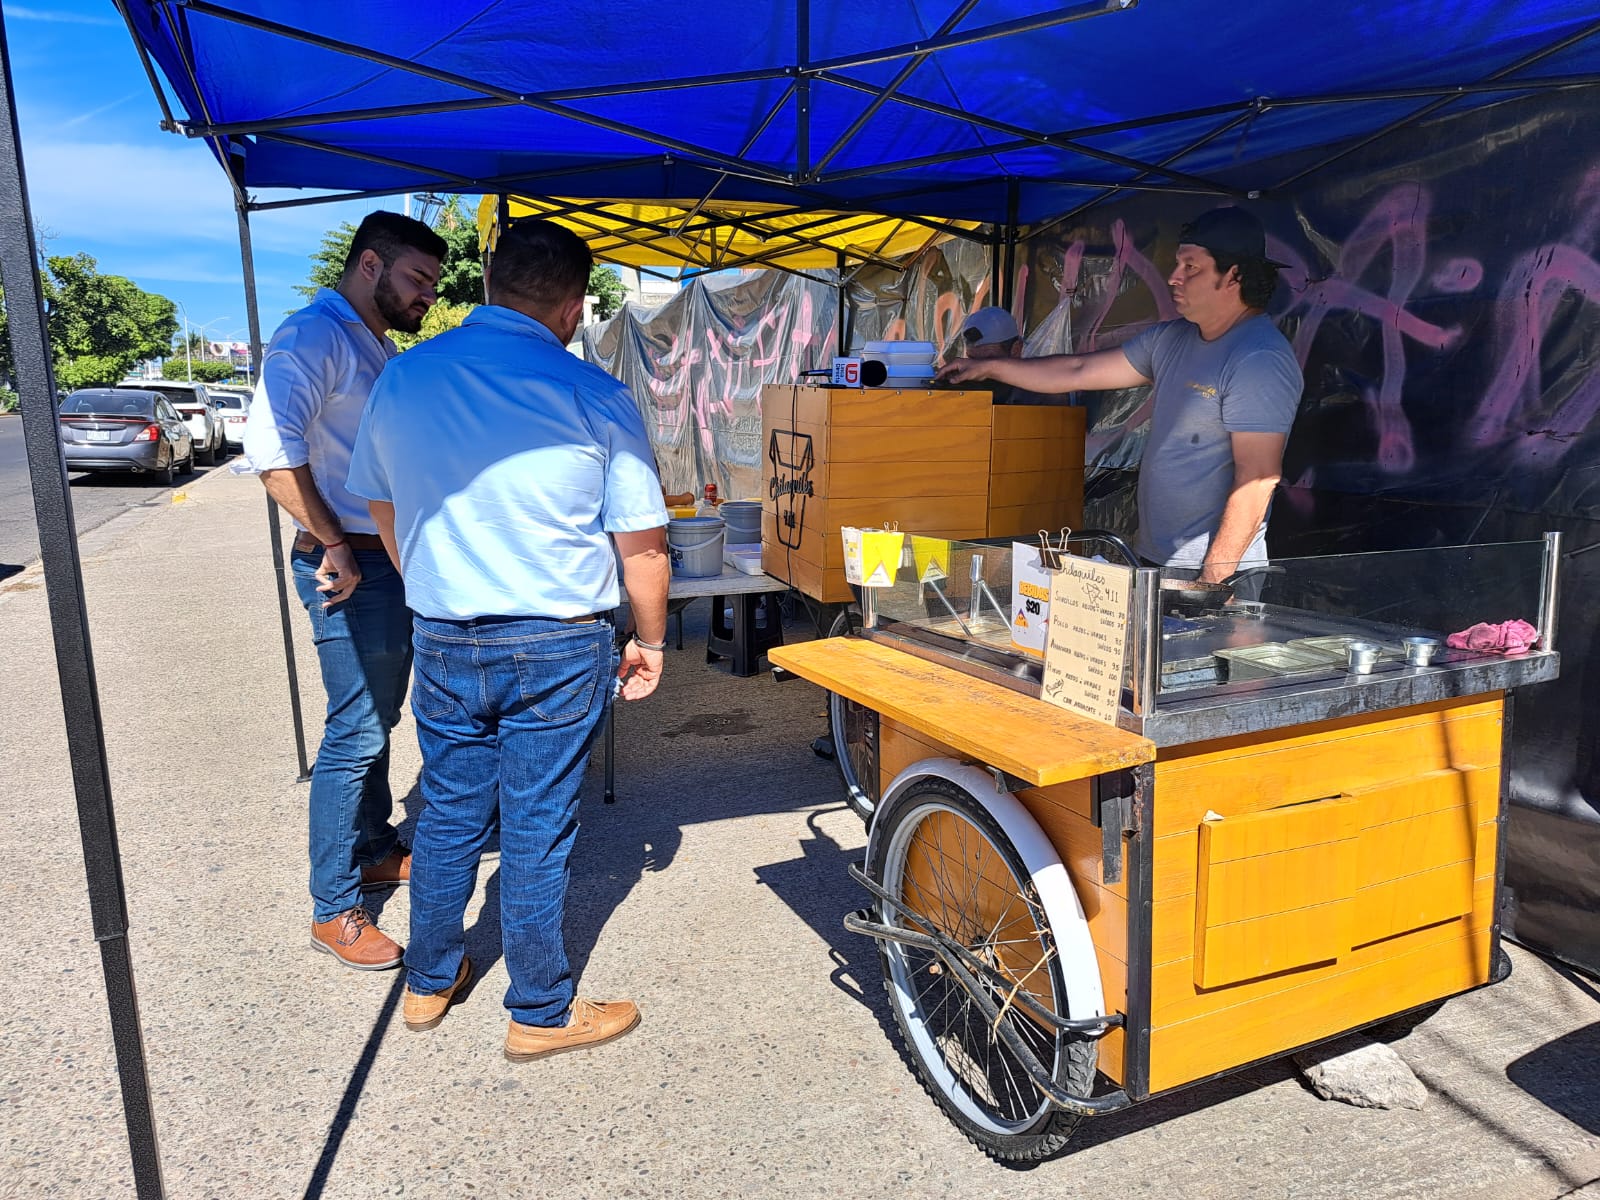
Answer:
[(948, 463)]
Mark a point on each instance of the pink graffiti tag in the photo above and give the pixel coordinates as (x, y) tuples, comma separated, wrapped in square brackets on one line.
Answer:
[(1400, 221), (1529, 302)]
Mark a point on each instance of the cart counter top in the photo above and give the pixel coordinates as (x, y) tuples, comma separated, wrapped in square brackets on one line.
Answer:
[(1036, 742)]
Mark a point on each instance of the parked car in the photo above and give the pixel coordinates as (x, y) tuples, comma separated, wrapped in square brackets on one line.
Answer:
[(199, 412), (233, 404), (121, 429)]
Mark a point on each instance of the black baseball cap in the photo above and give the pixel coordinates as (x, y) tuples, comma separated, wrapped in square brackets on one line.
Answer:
[(1231, 232)]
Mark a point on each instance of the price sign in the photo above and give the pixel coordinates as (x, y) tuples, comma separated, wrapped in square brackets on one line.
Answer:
[(1088, 638)]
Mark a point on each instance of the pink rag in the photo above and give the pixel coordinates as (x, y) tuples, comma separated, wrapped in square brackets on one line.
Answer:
[(1508, 637)]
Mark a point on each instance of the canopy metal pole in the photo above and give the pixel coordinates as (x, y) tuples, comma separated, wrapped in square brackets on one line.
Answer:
[(844, 308), (1008, 277), (274, 526), (69, 625)]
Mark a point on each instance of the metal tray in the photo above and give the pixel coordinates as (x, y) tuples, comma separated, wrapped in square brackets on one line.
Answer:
[(1337, 646), (1268, 660)]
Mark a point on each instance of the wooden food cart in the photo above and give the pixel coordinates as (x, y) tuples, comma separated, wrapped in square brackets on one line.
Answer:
[(1075, 916), (941, 461)]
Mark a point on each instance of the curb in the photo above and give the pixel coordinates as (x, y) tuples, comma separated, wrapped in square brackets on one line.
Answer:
[(103, 537)]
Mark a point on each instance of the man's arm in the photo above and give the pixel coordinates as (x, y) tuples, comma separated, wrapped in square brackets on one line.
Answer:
[(646, 573), (1257, 466), (296, 491), (383, 517), (1100, 371)]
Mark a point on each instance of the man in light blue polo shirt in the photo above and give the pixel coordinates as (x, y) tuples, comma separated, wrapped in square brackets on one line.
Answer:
[(501, 471)]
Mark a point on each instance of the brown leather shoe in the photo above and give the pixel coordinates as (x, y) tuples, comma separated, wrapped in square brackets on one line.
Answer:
[(354, 940), (395, 869), (425, 1012), (588, 1024)]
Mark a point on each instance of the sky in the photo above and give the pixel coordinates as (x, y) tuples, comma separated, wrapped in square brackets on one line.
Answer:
[(104, 179)]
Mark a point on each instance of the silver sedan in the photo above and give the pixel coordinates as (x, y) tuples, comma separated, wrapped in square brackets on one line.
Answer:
[(119, 429)]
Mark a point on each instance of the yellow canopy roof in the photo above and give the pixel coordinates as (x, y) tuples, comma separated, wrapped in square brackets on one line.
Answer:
[(711, 237)]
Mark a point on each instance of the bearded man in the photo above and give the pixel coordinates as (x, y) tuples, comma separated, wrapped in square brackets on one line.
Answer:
[(313, 384)]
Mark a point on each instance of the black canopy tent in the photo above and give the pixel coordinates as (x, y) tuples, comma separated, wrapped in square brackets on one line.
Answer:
[(991, 111)]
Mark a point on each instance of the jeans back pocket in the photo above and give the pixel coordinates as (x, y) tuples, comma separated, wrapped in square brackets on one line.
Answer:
[(559, 684), (431, 697)]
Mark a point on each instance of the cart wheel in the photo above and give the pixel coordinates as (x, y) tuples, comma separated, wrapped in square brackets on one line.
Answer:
[(947, 860), (854, 730)]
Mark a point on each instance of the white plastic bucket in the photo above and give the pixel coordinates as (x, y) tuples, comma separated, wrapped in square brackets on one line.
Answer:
[(743, 519), (695, 546)]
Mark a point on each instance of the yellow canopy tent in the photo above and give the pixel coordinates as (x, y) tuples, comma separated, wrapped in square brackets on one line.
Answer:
[(701, 237)]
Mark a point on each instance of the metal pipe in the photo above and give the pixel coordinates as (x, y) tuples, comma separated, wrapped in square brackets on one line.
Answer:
[(1550, 591), (1146, 640), (274, 528), (984, 33), (69, 628)]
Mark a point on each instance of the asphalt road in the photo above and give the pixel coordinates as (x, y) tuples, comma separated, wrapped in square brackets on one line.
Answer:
[(95, 498)]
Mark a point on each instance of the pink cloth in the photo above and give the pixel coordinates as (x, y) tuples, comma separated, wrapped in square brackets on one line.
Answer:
[(1508, 637)]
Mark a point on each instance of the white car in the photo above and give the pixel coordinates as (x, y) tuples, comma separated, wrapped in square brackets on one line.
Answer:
[(195, 406), (233, 405)]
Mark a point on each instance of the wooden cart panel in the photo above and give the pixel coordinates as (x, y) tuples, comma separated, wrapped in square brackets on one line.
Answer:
[(1361, 882), (946, 463)]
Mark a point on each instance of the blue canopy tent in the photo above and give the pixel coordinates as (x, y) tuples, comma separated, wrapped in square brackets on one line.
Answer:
[(1002, 112)]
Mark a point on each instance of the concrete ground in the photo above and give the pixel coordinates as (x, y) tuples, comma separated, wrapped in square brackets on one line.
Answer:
[(712, 892)]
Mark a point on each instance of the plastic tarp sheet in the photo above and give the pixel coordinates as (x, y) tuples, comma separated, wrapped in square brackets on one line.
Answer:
[(1006, 111), (696, 366)]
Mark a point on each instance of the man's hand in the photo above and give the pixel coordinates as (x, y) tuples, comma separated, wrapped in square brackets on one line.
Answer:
[(339, 573), (1216, 572), (967, 370), (640, 670)]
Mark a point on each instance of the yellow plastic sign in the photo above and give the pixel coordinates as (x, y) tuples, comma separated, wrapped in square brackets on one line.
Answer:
[(872, 556)]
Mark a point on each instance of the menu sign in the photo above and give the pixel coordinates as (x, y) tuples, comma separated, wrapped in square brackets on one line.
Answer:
[(1088, 639)]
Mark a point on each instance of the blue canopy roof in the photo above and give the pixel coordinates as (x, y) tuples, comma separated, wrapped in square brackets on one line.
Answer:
[(1000, 111)]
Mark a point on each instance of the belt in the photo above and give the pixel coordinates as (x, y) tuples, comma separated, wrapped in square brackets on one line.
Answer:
[(303, 541)]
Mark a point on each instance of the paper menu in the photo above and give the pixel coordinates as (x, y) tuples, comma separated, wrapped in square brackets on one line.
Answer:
[(1088, 637), (1030, 599)]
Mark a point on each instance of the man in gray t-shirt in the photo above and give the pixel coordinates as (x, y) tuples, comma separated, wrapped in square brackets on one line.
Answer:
[(1226, 389)]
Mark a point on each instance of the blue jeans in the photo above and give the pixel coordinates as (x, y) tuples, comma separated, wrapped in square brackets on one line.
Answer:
[(364, 648), (507, 709)]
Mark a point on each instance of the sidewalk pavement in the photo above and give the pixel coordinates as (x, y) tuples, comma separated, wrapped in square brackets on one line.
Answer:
[(712, 893)]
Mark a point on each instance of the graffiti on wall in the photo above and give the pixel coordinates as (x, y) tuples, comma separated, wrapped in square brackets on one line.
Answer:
[(1458, 365)]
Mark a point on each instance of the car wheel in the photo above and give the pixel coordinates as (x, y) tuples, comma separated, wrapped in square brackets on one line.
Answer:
[(210, 456), (164, 474)]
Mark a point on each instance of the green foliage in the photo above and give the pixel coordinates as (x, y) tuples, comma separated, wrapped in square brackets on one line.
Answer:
[(8, 399), (461, 274), (201, 370), (605, 285), (100, 325), (327, 264), (91, 370), (442, 316)]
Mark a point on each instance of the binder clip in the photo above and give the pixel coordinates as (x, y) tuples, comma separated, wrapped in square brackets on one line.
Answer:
[(1050, 553)]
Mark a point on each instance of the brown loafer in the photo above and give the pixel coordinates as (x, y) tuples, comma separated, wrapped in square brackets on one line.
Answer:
[(588, 1024), (425, 1012), (394, 870), (354, 940)]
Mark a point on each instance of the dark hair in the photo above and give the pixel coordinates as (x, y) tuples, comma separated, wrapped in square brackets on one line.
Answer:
[(539, 262), (1257, 279), (386, 234)]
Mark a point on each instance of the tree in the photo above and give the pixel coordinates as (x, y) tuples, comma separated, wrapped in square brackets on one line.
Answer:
[(461, 273), (442, 316), (211, 370), (327, 264), (605, 285), (101, 325)]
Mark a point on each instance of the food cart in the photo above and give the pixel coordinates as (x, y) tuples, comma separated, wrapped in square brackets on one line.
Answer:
[(1278, 840)]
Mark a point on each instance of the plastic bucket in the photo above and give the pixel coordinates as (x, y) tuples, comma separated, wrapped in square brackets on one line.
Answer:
[(743, 519), (695, 545)]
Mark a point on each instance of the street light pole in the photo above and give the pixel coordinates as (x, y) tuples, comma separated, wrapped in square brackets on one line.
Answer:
[(188, 352)]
